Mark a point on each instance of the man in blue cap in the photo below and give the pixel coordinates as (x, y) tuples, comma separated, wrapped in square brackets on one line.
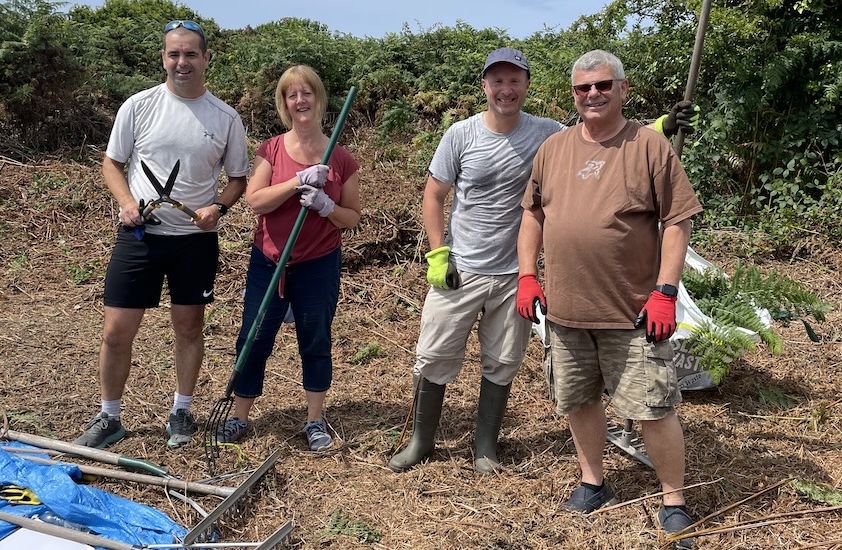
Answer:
[(473, 268)]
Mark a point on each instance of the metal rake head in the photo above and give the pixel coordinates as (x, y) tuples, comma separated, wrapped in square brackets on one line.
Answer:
[(235, 507), (213, 427), (624, 438)]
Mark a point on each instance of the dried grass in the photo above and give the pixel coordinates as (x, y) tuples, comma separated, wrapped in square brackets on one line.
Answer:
[(57, 226)]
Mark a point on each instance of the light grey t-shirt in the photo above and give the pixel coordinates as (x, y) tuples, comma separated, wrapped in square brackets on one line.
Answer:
[(489, 172), (160, 128)]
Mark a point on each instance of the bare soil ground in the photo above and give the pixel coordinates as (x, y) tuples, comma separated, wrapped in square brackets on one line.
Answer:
[(57, 225)]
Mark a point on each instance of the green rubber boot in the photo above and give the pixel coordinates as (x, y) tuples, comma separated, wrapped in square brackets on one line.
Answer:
[(492, 407), (428, 401)]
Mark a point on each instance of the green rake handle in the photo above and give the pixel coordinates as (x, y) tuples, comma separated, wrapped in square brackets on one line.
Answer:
[(293, 236)]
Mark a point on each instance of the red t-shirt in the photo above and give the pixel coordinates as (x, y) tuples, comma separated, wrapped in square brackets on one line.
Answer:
[(318, 235)]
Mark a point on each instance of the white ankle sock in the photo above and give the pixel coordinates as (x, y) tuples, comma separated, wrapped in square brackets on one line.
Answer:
[(111, 408), (181, 402)]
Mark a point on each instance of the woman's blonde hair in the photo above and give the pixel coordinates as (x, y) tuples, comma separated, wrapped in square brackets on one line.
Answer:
[(299, 74)]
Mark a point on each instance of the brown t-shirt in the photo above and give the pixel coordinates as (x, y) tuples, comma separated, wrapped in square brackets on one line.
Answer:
[(602, 203)]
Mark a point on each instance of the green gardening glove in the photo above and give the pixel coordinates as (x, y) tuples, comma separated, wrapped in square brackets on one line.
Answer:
[(683, 116), (441, 272)]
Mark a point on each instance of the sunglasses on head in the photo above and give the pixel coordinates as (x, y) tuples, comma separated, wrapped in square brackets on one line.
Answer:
[(601, 86), (189, 25)]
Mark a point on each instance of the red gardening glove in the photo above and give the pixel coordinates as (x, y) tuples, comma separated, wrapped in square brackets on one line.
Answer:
[(657, 316), (529, 297)]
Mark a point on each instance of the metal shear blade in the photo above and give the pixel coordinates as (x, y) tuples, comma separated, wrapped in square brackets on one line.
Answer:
[(163, 192)]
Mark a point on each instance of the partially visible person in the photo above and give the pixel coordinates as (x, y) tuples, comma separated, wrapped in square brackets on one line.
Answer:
[(287, 175), (177, 121), (611, 206), (485, 162)]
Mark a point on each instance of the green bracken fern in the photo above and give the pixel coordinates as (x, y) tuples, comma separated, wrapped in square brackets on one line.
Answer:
[(732, 303), (717, 345)]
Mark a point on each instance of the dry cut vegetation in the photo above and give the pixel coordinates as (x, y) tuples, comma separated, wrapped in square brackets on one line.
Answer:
[(772, 419)]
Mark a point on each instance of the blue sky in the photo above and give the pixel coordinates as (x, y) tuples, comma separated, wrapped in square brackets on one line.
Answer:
[(361, 18)]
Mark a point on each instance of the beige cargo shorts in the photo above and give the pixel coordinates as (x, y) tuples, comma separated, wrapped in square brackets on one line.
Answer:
[(639, 376)]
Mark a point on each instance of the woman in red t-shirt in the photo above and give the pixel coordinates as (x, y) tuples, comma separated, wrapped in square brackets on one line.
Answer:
[(287, 175)]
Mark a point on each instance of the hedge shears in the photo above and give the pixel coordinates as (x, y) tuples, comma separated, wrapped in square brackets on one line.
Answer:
[(163, 194), (147, 208)]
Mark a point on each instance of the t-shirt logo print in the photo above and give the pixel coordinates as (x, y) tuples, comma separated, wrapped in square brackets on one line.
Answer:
[(592, 169)]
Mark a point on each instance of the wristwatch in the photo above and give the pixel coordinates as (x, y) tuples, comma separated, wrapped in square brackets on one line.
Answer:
[(222, 208), (667, 290)]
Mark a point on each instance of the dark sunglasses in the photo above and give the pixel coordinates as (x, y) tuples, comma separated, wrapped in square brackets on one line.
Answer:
[(601, 86), (189, 25)]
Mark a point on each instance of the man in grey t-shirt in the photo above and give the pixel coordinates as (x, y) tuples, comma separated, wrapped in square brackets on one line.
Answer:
[(486, 160), (177, 123)]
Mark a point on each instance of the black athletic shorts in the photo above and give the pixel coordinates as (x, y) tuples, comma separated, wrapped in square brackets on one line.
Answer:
[(136, 271)]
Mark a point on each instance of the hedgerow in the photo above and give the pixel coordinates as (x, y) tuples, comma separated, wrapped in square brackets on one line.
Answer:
[(766, 156)]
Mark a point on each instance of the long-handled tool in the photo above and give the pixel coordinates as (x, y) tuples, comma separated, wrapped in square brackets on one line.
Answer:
[(219, 412), (191, 486), (66, 533), (623, 437), (88, 452), (695, 63), (232, 508)]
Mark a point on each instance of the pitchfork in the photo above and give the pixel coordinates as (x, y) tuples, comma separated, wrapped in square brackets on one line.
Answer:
[(220, 411)]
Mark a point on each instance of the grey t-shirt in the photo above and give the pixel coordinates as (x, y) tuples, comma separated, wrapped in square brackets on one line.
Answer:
[(159, 128), (489, 172)]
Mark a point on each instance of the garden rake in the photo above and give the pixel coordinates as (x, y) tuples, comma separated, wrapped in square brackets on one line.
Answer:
[(624, 438), (219, 413), (235, 507)]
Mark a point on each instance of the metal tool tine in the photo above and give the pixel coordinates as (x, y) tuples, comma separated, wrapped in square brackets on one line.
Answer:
[(215, 423), (627, 441), (277, 537)]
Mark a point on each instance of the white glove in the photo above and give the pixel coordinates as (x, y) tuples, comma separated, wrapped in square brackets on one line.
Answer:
[(316, 199), (314, 176)]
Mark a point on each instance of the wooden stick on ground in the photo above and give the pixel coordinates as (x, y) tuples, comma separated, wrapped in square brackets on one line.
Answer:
[(678, 536), (172, 483), (653, 495), (88, 452), (65, 533), (730, 529), (760, 522), (820, 544)]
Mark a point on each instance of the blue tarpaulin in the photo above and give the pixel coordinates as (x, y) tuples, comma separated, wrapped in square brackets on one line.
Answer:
[(101, 512)]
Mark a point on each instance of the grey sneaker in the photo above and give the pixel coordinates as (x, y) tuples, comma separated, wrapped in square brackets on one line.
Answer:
[(181, 428), (233, 430), (317, 437), (100, 432)]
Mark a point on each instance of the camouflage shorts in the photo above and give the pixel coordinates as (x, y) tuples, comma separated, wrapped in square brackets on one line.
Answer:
[(639, 376)]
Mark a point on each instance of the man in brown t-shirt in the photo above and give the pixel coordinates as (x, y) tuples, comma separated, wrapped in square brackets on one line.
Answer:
[(611, 205)]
